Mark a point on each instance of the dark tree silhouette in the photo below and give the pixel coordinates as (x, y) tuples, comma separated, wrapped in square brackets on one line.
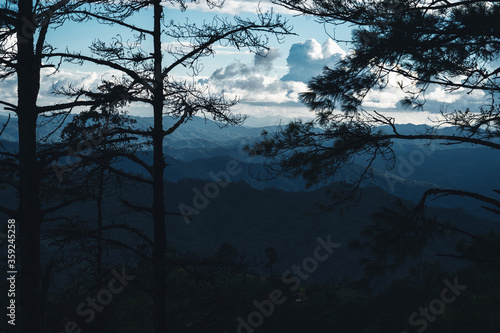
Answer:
[(428, 44), (147, 79), (94, 172), (24, 27), (272, 256), (453, 45)]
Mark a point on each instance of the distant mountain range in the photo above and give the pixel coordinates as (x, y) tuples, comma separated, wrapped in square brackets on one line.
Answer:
[(200, 147), (196, 133), (253, 219), (253, 214)]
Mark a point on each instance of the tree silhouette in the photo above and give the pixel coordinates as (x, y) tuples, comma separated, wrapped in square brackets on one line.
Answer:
[(272, 256), (147, 79), (424, 45), (438, 44), (24, 28)]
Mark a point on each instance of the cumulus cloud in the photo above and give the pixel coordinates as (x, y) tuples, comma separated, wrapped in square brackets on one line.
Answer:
[(440, 95), (254, 82), (457, 99), (49, 81), (307, 59), (75, 78), (265, 61), (234, 71), (238, 71)]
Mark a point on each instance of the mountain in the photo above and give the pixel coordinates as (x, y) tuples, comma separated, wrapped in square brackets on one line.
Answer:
[(200, 147), (447, 169), (253, 214), (196, 133), (253, 220)]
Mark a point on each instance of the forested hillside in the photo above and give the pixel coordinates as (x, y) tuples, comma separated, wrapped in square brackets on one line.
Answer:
[(249, 166)]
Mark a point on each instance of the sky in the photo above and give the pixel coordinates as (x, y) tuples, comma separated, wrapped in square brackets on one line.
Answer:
[(267, 87)]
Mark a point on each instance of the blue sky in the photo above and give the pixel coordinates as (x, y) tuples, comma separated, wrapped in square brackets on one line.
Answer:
[(266, 87)]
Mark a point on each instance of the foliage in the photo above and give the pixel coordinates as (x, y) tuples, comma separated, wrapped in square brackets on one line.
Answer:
[(416, 43), (206, 299)]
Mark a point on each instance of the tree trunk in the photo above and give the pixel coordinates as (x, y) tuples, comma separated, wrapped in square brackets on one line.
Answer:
[(29, 215), (100, 223), (160, 238), (100, 320)]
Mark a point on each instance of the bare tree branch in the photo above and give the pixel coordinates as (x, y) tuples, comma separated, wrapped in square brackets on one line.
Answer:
[(5, 125), (446, 192), (10, 106)]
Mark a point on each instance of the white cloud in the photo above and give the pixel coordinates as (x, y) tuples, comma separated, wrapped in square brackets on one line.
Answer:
[(255, 82), (330, 48), (413, 117), (436, 97), (388, 97), (49, 80), (62, 78), (233, 7), (8, 91), (438, 94), (306, 60), (9, 44), (229, 50), (275, 92), (275, 112), (258, 82), (288, 112), (384, 99)]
